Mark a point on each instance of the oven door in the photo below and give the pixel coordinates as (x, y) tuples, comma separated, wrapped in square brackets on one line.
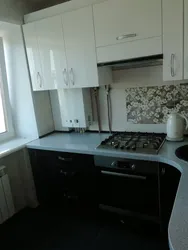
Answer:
[(129, 191)]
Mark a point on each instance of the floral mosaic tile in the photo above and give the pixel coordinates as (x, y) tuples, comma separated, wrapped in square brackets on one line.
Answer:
[(151, 105)]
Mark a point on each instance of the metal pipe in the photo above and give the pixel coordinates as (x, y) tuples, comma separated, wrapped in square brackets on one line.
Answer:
[(96, 93), (109, 107)]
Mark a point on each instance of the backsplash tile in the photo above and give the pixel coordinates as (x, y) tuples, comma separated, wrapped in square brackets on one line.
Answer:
[(151, 105)]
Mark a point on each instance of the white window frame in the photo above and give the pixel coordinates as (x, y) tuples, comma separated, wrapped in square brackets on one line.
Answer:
[(9, 133)]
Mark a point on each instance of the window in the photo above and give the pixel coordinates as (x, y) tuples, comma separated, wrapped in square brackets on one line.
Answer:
[(2, 116), (6, 128)]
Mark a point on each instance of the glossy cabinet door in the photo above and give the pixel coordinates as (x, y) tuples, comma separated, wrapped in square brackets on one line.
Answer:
[(63, 177), (52, 52), (80, 48), (33, 57), (173, 39), (186, 39), (123, 21), (169, 179)]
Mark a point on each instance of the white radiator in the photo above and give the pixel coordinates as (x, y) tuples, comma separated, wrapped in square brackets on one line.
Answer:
[(6, 201)]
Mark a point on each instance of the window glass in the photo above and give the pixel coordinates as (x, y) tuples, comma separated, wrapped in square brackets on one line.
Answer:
[(2, 114)]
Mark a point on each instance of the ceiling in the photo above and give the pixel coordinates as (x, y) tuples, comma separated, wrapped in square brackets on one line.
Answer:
[(34, 5)]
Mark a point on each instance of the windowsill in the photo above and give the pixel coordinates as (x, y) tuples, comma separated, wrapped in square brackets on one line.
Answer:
[(7, 148)]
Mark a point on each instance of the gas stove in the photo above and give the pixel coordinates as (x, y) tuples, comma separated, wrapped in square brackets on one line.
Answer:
[(148, 143)]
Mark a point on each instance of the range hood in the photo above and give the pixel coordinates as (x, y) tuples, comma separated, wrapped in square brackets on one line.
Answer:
[(135, 63)]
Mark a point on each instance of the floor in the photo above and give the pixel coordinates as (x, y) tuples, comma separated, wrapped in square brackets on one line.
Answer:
[(35, 229)]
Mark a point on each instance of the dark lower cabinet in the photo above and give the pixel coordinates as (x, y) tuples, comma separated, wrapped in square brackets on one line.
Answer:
[(63, 177), (169, 178), (73, 179)]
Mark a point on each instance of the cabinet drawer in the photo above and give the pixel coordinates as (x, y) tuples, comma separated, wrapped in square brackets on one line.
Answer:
[(62, 160), (130, 50), (126, 20), (59, 175)]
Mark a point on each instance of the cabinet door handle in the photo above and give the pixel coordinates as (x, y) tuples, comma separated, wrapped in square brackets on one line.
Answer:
[(172, 65), (39, 79), (64, 159), (163, 171), (65, 76), (71, 76), (126, 36)]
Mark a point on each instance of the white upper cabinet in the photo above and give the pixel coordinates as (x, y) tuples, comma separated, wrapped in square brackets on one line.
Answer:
[(120, 21), (173, 39), (33, 56), (127, 29), (46, 54), (186, 39), (80, 48), (52, 52), (62, 51)]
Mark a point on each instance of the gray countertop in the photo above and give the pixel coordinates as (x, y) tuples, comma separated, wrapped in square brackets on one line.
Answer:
[(87, 143)]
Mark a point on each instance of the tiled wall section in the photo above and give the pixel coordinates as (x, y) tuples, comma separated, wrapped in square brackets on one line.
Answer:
[(151, 105)]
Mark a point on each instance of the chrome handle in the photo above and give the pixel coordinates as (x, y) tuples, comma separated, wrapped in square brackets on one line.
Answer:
[(65, 76), (124, 175), (133, 167), (114, 164), (163, 171), (172, 65), (126, 36), (64, 159), (39, 79), (71, 76)]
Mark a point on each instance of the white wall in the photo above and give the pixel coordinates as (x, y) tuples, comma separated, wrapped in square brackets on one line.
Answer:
[(18, 80), (122, 79)]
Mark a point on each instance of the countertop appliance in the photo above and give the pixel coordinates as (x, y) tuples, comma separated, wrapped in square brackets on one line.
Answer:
[(128, 187), (176, 126), (149, 143)]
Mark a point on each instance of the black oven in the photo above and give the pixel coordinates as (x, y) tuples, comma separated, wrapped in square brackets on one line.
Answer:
[(128, 185)]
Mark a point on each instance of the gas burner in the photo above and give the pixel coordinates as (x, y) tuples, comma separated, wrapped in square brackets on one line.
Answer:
[(134, 142)]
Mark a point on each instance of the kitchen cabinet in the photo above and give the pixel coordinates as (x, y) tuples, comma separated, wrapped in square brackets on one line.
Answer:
[(173, 33), (63, 177), (61, 51), (33, 57), (185, 39), (126, 20), (80, 48), (52, 52), (46, 54), (169, 178), (127, 29)]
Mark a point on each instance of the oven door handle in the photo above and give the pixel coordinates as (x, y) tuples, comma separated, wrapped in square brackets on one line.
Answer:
[(124, 175)]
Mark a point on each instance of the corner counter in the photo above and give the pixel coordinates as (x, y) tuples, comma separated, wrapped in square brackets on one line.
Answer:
[(87, 144)]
